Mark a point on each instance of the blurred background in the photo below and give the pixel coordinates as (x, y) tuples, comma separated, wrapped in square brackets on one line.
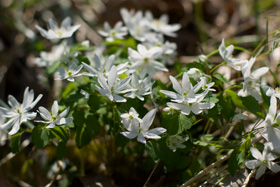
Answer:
[(203, 25)]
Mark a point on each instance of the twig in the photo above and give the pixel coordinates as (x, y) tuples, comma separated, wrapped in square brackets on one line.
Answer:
[(59, 165), (24, 144), (248, 178), (206, 170), (155, 167)]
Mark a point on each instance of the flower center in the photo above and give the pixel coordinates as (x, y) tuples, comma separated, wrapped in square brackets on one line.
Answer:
[(184, 93), (146, 60), (113, 33), (275, 125), (69, 73), (130, 117), (18, 111), (60, 31), (54, 118)]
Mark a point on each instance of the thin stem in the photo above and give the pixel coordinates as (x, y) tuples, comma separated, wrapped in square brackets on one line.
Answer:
[(263, 41), (155, 167), (179, 75), (217, 67), (212, 53), (206, 170)]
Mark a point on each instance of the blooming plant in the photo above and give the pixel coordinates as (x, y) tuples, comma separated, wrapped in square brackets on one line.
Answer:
[(115, 104)]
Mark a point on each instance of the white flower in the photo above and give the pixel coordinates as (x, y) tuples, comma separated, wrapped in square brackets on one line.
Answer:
[(139, 88), (275, 92), (186, 97), (136, 24), (118, 32), (168, 48), (263, 161), (202, 58), (141, 130), (104, 66), (226, 54), (130, 118), (271, 124), (187, 108), (194, 73), (161, 25), (53, 118), (145, 60), (112, 87), (177, 142), (69, 74), (169, 110), (206, 86), (250, 85), (19, 113), (70, 58), (185, 93), (55, 32), (47, 59), (85, 93)]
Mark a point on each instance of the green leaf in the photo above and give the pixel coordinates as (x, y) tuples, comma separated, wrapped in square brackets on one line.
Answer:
[(69, 88), (170, 123), (221, 78), (61, 150), (158, 150), (185, 122), (210, 98), (51, 69), (15, 143), (61, 133), (248, 103), (228, 107), (40, 136), (235, 159), (94, 102), (204, 140), (85, 132)]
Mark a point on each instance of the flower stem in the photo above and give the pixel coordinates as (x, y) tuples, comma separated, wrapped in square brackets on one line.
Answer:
[(217, 67), (155, 167)]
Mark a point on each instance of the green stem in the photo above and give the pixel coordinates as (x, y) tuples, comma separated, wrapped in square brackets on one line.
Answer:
[(263, 41), (217, 66), (212, 53), (179, 75)]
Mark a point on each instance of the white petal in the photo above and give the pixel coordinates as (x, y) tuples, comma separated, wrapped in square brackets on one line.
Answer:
[(252, 164), (15, 127), (141, 139), (112, 78), (129, 135), (256, 153), (274, 167), (66, 22), (64, 121), (102, 81), (260, 171), (149, 118), (44, 113), (176, 86), (142, 50), (259, 72), (64, 113), (157, 131), (55, 108)]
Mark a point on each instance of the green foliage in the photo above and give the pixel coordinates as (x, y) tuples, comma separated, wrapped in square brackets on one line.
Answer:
[(15, 143), (40, 136), (61, 133)]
